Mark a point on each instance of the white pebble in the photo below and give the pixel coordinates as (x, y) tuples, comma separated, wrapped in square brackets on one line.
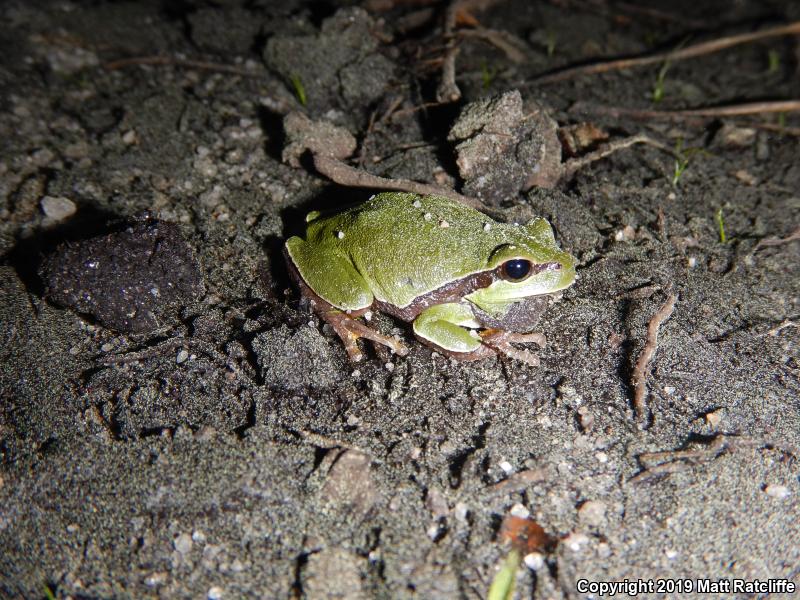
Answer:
[(777, 491), (534, 561), (487, 226), (444, 224), (183, 543), (199, 537), (461, 511), (182, 356), (576, 541), (518, 510), (340, 235), (592, 512), (214, 593), (507, 467), (57, 208), (427, 216), (417, 204)]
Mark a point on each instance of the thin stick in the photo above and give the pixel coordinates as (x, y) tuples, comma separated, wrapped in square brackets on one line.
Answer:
[(448, 90), (673, 461), (499, 39), (776, 241), (777, 128), (179, 62), (675, 55), (731, 110), (639, 378), (344, 174), (573, 165)]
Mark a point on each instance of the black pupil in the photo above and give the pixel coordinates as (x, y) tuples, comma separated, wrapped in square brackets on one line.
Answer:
[(517, 269)]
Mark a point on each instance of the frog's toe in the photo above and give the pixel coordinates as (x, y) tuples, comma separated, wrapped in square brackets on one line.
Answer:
[(501, 342)]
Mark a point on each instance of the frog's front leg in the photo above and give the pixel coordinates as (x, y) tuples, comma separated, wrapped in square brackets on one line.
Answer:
[(449, 327), (501, 341)]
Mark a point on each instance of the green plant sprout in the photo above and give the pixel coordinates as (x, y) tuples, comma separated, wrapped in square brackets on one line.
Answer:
[(505, 580), (48, 593), (550, 43), (487, 75), (721, 223), (682, 159), (773, 62), (658, 87), (299, 90)]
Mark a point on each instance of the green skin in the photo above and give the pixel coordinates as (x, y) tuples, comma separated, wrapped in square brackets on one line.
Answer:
[(398, 247)]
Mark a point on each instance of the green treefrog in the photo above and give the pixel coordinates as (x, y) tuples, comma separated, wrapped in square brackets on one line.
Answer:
[(472, 286)]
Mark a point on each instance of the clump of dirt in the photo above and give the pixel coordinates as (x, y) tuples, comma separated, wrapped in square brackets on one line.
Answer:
[(329, 65), (132, 280)]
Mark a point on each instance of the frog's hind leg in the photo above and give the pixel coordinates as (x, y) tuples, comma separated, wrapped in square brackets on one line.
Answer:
[(345, 324), (350, 330)]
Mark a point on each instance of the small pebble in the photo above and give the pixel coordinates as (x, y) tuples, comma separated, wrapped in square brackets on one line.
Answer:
[(576, 541), (156, 579), (57, 208), (534, 561), (214, 593), (417, 204), (183, 543), (518, 510), (592, 512), (777, 491), (182, 356), (461, 511), (507, 467)]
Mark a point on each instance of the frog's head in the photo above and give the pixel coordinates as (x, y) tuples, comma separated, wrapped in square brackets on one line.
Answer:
[(531, 264)]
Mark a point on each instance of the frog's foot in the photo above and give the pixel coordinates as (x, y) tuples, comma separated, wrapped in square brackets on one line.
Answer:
[(350, 330), (501, 342)]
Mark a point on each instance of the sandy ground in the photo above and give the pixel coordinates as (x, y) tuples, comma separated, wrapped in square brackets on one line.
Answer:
[(223, 446)]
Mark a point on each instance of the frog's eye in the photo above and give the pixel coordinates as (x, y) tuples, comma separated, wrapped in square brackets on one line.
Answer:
[(516, 269)]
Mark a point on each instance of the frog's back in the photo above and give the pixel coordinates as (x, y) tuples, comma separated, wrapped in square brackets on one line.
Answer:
[(406, 245)]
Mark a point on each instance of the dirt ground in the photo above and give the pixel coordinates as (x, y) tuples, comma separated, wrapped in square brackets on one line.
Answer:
[(220, 444)]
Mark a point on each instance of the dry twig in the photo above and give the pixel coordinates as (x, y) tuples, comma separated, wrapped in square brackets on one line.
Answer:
[(688, 52), (573, 165), (179, 62), (344, 174), (502, 40), (448, 90), (673, 461), (776, 241), (731, 110), (639, 378)]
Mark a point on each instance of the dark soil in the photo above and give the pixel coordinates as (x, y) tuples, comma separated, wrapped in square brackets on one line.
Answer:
[(212, 440)]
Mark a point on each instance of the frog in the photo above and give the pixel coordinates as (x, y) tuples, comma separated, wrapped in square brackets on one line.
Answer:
[(471, 286)]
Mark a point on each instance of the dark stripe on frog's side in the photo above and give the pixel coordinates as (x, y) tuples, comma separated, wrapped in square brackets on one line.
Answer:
[(450, 292), (455, 292)]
